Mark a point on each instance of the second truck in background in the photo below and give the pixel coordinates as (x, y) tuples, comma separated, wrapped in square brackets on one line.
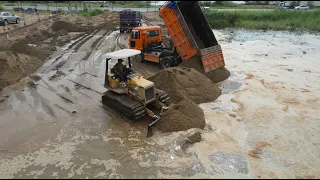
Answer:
[(129, 20)]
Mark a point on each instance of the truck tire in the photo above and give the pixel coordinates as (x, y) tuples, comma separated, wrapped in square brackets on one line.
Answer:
[(166, 62)]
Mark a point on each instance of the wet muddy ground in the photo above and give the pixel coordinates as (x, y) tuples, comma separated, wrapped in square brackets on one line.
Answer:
[(264, 125)]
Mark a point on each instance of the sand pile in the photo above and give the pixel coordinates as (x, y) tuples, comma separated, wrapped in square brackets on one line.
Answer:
[(14, 66), (23, 46), (92, 21), (22, 56), (186, 82), (216, 76), (182, 116), (63, 25), (186, 88)]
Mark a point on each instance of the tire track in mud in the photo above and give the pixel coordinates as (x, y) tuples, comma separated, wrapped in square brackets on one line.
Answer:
[(78, 42), (98, 41), (94, 45), (89, 36), (121, 46)]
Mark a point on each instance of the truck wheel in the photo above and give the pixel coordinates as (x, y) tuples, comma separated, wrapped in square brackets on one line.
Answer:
[(166, 62)]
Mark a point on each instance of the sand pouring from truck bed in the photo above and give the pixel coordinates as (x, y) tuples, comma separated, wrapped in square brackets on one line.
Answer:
[(216, 75), (186, 88)]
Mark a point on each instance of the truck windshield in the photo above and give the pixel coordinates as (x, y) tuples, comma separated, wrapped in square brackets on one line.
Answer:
[(135, 34)]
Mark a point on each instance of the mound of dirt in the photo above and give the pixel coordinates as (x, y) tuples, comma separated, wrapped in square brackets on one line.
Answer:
[(14, 66), (182, 116), (24, 47), (63, 25), (186, 88), (216, 76), (181, 82)]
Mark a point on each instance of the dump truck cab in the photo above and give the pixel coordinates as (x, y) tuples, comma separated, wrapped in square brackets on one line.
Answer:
[(148, 39), (144, 37)]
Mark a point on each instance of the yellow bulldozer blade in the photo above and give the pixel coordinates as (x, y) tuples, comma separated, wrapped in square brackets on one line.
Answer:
[(150, 127)]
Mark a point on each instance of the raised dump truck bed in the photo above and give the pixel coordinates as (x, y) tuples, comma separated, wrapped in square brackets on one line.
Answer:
[(191, 33)]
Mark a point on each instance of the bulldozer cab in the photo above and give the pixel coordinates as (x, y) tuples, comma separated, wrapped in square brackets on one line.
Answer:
[(147, 37), (134, 83), (112, 80)]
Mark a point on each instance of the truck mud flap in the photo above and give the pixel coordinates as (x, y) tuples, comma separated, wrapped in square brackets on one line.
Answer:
[(212, 58)]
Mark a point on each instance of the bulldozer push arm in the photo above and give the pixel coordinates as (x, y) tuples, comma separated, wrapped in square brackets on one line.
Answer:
[(191, 33), (154, 117)]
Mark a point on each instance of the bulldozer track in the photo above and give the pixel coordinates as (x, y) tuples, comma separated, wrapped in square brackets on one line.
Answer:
[(124, 104)]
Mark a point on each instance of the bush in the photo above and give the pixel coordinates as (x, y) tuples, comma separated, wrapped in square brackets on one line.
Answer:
[(94, 12), (222, 20), (1, 8), (60, 11)]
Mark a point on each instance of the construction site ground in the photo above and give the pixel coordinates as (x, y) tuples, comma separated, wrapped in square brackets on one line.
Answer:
[(53, 125)]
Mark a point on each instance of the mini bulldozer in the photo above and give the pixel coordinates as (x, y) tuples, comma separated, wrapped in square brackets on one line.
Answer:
[(136, 95)]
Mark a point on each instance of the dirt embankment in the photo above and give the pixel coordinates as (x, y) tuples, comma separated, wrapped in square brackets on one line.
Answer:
[(63, 25), (21, 56), (187, 88)]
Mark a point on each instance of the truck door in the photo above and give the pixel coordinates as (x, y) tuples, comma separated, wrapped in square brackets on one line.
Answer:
[(153, 38), (135, 40)]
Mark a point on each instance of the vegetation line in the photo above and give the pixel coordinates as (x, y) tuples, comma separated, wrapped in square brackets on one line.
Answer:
[(265, 20)]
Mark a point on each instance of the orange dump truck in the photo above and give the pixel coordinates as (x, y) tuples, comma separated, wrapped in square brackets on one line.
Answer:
[(190, 34)]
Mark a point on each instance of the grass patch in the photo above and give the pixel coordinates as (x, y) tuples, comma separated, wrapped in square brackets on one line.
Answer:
[(230, 5), (44, 11), (241, 6), (87, 13), (265, 20)]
